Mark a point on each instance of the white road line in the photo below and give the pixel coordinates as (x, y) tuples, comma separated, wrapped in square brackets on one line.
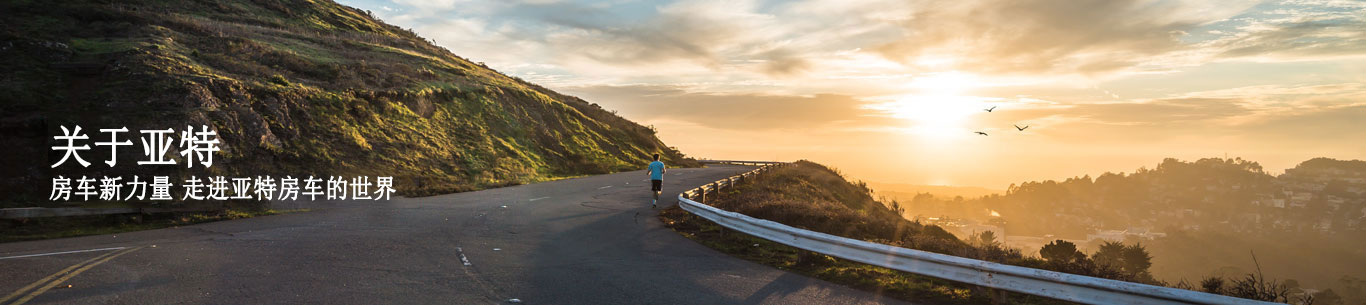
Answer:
[(539, 198), (64, 252), (605, 187), (463, 260)]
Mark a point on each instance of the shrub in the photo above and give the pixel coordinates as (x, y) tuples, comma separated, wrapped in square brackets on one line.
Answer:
[(279, 80), (1212, 285)]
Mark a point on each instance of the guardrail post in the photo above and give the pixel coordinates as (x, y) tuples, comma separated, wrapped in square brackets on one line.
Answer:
[(716, 186)]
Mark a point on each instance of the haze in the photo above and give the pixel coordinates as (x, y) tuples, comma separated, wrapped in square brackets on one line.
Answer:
[(893, 91)]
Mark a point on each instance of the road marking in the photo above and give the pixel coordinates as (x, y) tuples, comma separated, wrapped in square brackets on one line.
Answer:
[(40, 282), (605, 187), (463, 260), (64, 252), (86, 265), (538, 198)]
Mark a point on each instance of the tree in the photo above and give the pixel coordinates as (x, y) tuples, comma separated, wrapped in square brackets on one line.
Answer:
[(1061, 251), (1137, 260), (1132, 260), (1110, 253), (986, 239)]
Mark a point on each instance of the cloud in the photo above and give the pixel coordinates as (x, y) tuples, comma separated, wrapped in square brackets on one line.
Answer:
[(1316, 35), (1164, 111), (713, 34), (729, 111), (1338, 127), (613, 42), (429, 4), (1041, 36)]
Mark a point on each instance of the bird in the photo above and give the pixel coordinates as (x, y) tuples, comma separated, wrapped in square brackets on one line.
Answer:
[(1021, 128), (990, 109), (980, 133)]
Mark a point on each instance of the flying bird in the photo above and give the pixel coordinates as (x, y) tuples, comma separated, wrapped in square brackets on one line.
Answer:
[(980, 133), (990, 109), (1021, 128)]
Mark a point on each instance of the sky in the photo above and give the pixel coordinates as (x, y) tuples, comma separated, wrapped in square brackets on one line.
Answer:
[(895, 91)]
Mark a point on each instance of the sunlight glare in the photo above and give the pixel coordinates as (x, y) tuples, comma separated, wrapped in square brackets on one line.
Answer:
[(934, 115), (944, 83), (939, 108)]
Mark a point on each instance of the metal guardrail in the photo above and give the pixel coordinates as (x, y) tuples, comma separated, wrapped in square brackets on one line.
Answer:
[(738, 162), (1044, 283)]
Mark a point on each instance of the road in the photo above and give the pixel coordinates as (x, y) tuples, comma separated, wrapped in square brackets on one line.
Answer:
[(589, 240)]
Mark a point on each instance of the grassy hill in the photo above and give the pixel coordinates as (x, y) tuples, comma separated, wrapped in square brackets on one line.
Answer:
[(812, 196), (293, 87)]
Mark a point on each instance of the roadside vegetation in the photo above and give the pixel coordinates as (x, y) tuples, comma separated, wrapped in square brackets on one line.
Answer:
[(811, 196)]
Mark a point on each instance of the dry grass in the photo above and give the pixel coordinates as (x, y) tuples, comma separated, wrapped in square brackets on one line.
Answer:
[(814, 197)]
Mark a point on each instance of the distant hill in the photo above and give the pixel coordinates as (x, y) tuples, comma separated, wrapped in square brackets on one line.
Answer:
[(293, 87), (1198, 216), (905, 191)]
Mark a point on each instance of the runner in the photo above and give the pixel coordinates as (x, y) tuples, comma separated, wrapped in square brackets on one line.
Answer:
[(656, 171)]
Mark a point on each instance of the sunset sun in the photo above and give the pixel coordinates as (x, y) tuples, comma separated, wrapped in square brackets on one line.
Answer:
[(939, 106)]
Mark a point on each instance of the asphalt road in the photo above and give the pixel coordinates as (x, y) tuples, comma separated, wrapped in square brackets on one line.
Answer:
[(590, 240)]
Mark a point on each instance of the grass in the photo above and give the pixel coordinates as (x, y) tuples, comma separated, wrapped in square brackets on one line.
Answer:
[(814, 197), (49, 228)]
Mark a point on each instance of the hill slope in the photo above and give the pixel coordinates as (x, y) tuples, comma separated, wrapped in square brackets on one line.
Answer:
[(297, 87)]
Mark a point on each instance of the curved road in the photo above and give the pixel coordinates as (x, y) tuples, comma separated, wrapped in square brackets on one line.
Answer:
[(590, 240)]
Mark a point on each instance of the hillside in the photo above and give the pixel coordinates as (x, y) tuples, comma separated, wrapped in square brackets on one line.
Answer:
[(293, 88), (814, 197)]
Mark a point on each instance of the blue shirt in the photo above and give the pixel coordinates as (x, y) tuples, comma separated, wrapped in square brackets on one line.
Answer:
[(656, 170)]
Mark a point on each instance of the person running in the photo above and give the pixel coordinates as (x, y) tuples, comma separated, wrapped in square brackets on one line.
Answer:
[(656, 171)]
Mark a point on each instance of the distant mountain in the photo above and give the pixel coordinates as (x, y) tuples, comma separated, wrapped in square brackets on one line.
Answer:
[(293, 87)]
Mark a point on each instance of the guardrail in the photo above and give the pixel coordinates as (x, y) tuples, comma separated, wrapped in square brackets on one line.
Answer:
[(738, 162), (1044, 283)]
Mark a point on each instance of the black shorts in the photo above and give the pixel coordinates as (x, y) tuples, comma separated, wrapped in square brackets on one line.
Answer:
[(656, 185)]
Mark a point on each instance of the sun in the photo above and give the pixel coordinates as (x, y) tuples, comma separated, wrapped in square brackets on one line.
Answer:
[(939, 106)]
